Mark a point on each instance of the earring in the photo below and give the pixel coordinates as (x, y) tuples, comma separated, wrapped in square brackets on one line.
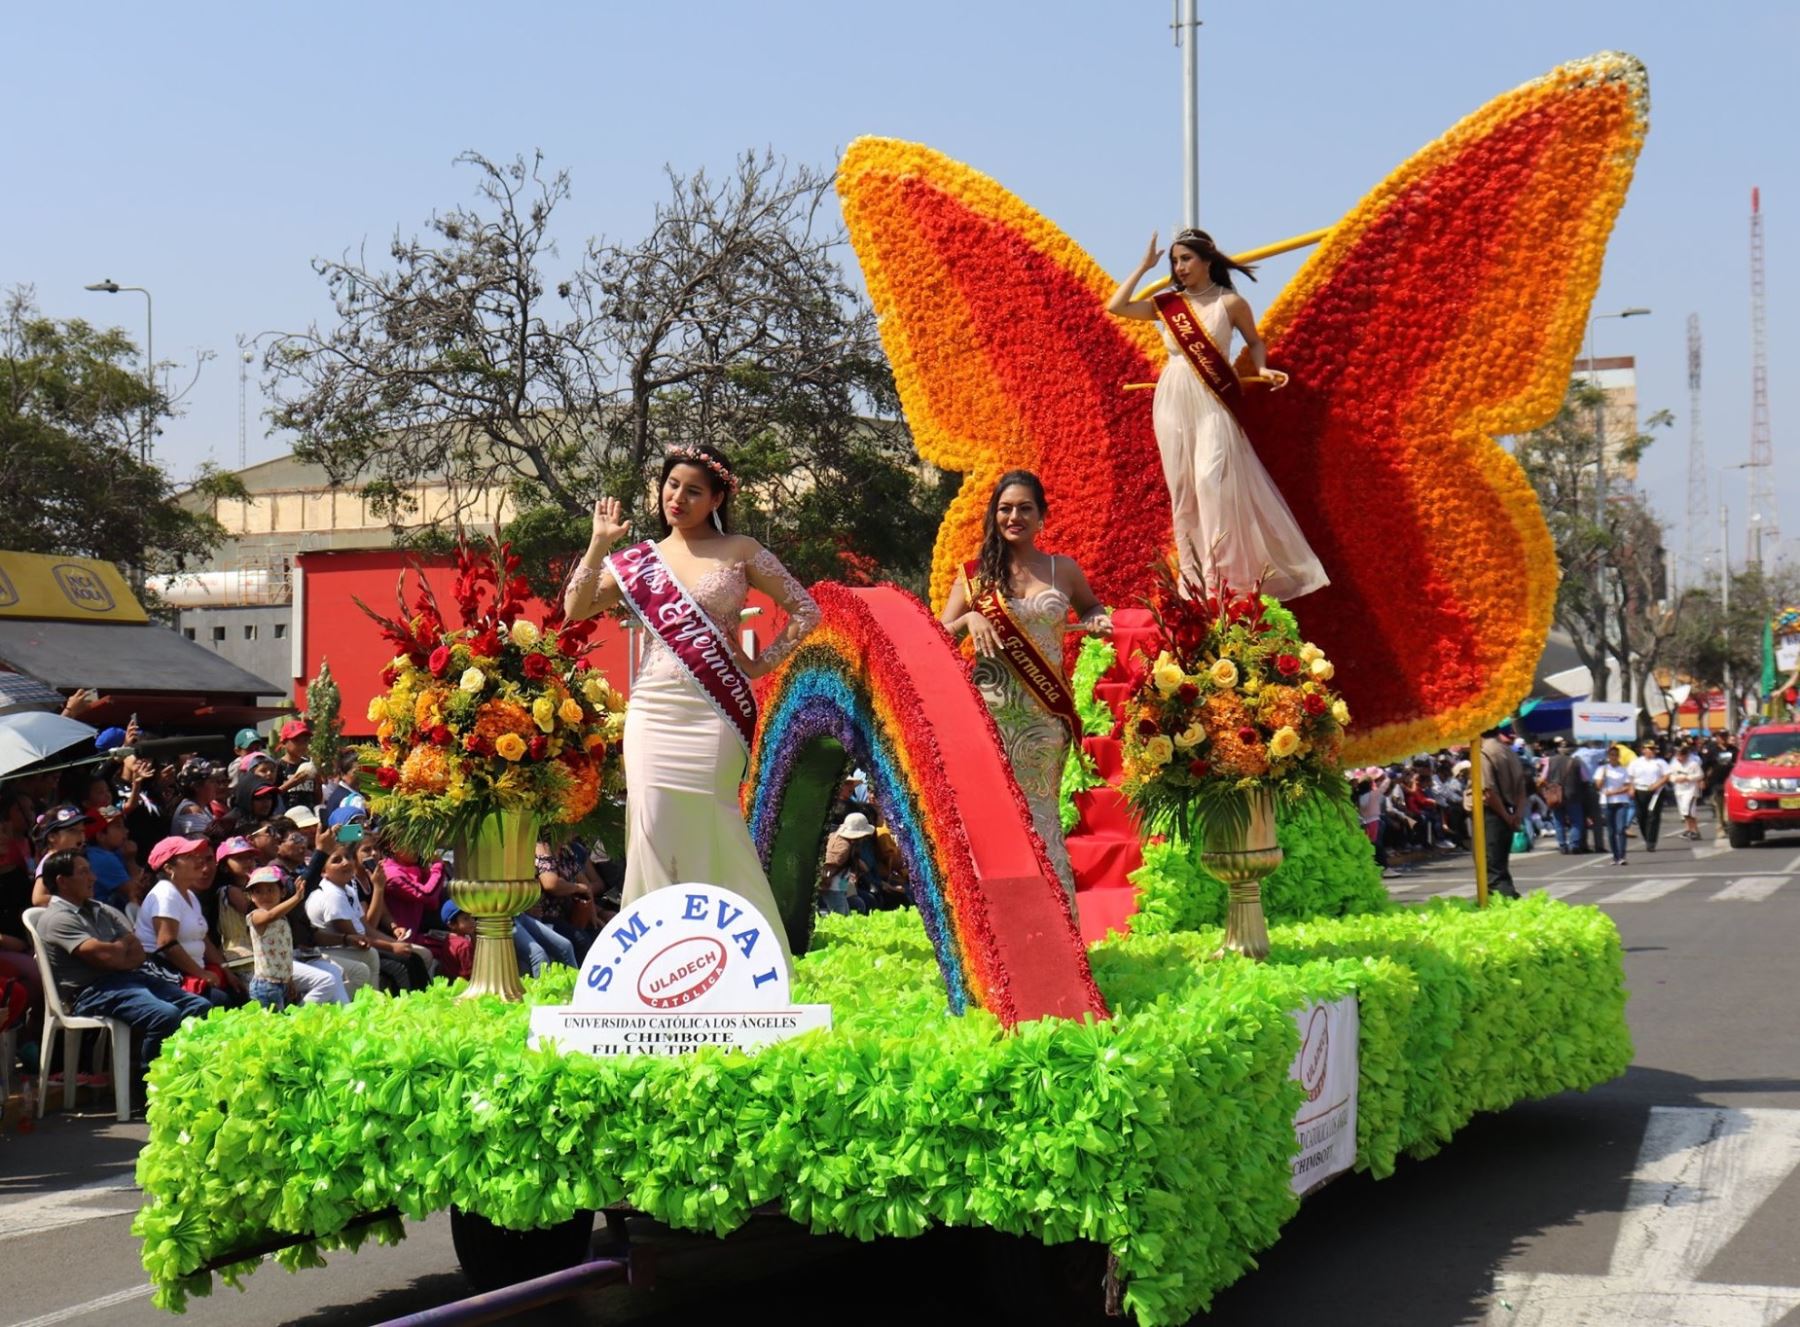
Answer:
[(718, 524)]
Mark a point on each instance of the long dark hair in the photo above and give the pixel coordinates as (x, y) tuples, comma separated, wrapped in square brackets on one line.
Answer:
[(995, 562), (1219, 266), (710, 462)]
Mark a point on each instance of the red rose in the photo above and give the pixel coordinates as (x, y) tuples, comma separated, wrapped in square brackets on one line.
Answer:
[(1246, 734), (387, 776), (1287, 664), (487, 644), (537, 746), (441, 735), (439, 661), (1187, 693), (472, 744), (1199, 768), (388, 674), (1148, 728), (1314, 703), (537, 667)]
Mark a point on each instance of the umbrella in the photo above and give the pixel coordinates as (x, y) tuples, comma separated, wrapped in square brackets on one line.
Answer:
[(32, 735)]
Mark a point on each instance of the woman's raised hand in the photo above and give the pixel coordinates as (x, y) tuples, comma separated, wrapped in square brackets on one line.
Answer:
[(1152, 255), (610, 525)]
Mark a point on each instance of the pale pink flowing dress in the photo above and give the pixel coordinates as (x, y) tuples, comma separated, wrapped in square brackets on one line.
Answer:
[(1231, 523)]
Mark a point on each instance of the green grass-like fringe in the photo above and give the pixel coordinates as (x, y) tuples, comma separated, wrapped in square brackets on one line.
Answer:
[(1164, 1133)]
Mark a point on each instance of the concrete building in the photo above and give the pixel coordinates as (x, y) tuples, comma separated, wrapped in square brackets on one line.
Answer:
[(1616, 376)]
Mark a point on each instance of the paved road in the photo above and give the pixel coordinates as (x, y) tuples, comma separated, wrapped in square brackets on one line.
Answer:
[(1668, 1197)]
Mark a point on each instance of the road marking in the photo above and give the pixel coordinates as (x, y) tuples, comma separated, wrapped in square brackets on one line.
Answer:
[(1646, 890), (1567, 888), (1702, 1174), (1752, 888), (68, 1207), (1571, 870), (1792, 868), (82, 1310)]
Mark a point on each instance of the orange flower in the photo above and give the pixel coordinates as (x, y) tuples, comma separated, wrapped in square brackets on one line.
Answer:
[(581, 794), (1283, 707), (428, 710), (498, 717), (426, 770)]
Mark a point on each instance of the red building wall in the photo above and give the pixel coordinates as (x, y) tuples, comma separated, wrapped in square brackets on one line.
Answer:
[(331, 627)]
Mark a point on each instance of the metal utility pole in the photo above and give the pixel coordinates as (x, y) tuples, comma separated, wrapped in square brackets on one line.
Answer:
[(1762, 523), (1187, 21), (244, 362), (1697, 497), (1725, 612), (111, 287)]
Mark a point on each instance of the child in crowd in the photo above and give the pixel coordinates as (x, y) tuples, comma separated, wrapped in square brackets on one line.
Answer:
[(459, 945), (270, 940)]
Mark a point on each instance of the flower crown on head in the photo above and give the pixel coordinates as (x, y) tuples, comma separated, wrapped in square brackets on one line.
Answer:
[(694, 456)]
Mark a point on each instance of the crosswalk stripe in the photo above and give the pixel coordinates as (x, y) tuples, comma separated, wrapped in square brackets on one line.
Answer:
[(1751, 889), (1564, 888), (1646, 890)]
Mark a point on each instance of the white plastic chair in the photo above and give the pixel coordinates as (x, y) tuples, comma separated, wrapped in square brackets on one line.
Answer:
[(72, 1025)]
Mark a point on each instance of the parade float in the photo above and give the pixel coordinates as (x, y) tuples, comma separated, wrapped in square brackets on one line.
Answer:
[(1113, 1083)]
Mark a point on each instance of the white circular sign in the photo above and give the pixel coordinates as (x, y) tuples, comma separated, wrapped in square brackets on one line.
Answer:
[(685, 949)]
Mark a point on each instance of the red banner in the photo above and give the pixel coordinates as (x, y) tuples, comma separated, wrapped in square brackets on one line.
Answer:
[(1202, 352), (1041, 678)]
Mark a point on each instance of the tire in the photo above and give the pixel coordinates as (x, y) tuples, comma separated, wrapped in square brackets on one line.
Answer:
[(1739, 835), (492, 1256)]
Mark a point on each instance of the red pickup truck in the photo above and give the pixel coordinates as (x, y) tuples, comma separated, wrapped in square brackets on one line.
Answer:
[(1762, 791)]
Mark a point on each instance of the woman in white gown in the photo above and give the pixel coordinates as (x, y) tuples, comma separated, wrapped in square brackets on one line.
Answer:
[(683, 759), (1232, 526)]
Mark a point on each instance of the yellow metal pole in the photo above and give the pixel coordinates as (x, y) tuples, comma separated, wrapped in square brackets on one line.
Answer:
[(1478, 822), (1251, 256)]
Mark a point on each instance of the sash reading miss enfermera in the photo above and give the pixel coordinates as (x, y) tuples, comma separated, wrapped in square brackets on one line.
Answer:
[(1042, 678), (665, 607), (1198, 346)]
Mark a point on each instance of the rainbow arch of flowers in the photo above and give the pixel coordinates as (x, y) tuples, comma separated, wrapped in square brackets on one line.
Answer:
[(870, 676)]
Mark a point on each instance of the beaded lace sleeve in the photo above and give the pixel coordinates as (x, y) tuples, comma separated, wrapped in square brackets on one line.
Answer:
[(582, 592), (768, 575)]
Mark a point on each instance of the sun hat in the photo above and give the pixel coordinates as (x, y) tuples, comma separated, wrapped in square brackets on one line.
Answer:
[(235, 846), (174, 846), (856, 826), (266, 875), (302, 817)]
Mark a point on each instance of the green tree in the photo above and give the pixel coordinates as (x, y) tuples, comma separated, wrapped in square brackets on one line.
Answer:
[(323, 703), (731, 321), (72, 403)]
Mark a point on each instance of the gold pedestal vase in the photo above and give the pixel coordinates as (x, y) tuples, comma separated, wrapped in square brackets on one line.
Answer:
[(494, 878), (1240, 849)]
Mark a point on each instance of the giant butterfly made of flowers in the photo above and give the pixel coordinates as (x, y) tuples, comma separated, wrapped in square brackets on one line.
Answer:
[(1444, 310)]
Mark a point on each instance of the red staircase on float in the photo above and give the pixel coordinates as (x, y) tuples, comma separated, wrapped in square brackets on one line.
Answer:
[(1104, 848)]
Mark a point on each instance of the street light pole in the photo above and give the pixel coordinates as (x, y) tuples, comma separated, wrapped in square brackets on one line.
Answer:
[(1600, 481), (1187, 36), (111, 287), (1725, 611)]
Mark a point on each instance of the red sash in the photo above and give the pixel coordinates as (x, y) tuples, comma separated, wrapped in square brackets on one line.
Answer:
[(1202, 352), (661, 603), (1041, 677)]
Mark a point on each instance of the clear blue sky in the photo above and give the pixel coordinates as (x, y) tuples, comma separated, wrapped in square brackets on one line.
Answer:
[(207, 151)]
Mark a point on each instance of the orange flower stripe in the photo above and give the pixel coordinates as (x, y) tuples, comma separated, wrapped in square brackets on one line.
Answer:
[(1444, 309)]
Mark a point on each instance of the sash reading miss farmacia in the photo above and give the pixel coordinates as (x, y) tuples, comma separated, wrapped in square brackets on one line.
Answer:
[(1041, 678), (1198, 346), (665, 607)]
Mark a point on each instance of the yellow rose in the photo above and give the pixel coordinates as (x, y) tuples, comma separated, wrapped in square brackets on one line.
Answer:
[(543, 713), (1340, 712), (1190, 737), (509, 746), (1285, 742), (1224, 673), (1322, 668), (377, 709), (524, 635), (1158, 751), (594, 689), (1166, 674), (570, 710), (473, 680)]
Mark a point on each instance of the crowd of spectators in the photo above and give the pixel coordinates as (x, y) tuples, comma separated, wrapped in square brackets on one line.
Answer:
[(863, 870)]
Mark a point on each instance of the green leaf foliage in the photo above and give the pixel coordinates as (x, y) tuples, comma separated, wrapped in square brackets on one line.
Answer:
[(1164, 1133)]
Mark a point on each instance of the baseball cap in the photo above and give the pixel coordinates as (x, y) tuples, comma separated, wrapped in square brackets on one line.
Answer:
[(267, 790), (449, 910), (247, 739), (295, 728), (66, 816), (266, 875), (302, 817), (348, 811), (234, 847), (109, 739), (174, 846)]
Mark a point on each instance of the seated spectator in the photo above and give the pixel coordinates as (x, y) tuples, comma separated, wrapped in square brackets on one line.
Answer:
[(347, 790), (571, 890), (198, 788), (344, 920), (96, 960), (460, 941), (60, 829), (108, 854), (845, 869), (171, 923)]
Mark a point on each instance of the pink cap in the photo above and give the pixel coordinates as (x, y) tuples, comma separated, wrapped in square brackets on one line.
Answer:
[(233, 847), (174, 846)]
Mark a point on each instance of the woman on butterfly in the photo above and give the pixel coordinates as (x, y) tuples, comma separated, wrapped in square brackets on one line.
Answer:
[(1232, 526), (692, 714), (1014, 601)]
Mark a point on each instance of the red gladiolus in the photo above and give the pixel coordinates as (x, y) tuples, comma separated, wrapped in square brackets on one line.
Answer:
[(441, 735), (388, 674), (537, 667), (439, 661), (1148, 728), (387, 776), (1187, 693), (1200, 768), (538, 745), (1287, 664), (472, 744), (1314, 704)]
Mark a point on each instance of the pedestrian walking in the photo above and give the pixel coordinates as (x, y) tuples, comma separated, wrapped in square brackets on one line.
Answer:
[(1649, 775), (1613, 783)]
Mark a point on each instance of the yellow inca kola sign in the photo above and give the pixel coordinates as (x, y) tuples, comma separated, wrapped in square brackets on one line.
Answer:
[(67, 589)]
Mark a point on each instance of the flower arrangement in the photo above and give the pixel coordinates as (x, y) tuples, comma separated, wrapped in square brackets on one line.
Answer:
[(494, 715), (1444, 309), (1235, 702)]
